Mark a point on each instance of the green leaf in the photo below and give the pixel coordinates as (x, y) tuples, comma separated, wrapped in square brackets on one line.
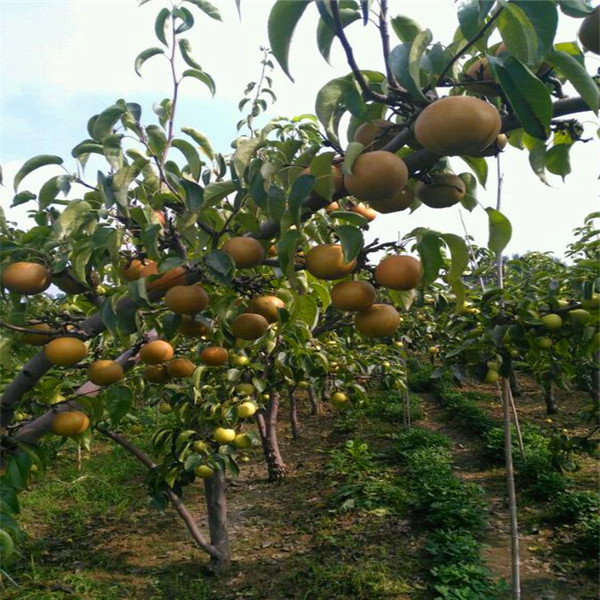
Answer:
[(186, 18), (325, 35), (537, 161), (191, 156), (119, 400), (9, 501), (244, 149), (170, 325), (558, 160), (202, 76), (150, 235), (87, 147), (429, 248), (22, 198), (320, 167), (220, 266), (105, 122), (527, 95), (460, 260), (72, 217), (144, 55), (159, 25), (329, 103), (500, 231), (353, 151), (578, 76), (575, 8), (543, 16), (111, 147), (194, 194), (34, 163), (518, 33), (470, 199), (459, 255), (201, 140), (403, 69), (417, 49), (286, 252), (479, 166), (207, 8), (51, 189), (17, 471), (352, 240), (405, 28), (80, 259), (471, 16), (300, 192), (350, 217), (217, 191), (306, 310), (109, 315), (283, 18), (157, 140), (121, 181), (185, 48)]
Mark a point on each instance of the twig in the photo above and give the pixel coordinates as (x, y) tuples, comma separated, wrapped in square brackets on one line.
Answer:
[(471, 251), (339, 31), (470, 43), (385, 43)]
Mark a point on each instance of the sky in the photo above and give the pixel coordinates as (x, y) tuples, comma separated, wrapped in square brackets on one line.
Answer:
[(62, 61)]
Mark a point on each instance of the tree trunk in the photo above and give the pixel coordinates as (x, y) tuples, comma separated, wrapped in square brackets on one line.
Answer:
[(551, 406), (315, 405), (216, 507), (294, 415), (596, 377), (514, 383), (267, 422)]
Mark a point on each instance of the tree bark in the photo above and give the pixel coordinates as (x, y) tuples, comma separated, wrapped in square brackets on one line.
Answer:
[(267, 422), (216, 507), (596, 377), (549, 399), (315, 405), (514, 383), (34, 430), (294, 416)]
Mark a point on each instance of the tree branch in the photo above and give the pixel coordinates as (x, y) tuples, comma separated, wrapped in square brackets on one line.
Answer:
[(339, 32), (175, 500), (468, 45)]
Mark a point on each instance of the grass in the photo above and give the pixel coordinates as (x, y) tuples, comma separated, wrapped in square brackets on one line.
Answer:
[(107, 482)]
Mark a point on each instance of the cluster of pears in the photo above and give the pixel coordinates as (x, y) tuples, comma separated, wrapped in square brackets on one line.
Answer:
[(451, 126), (397, 272)]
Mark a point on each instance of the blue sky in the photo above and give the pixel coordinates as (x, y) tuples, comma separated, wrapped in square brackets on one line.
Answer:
[(62, 61)]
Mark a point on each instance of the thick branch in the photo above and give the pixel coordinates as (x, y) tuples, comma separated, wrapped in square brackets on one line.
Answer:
[(33, 431)]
